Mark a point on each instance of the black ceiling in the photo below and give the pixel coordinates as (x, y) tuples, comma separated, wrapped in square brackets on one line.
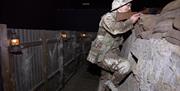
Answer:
[(61, 14), (82, 4)]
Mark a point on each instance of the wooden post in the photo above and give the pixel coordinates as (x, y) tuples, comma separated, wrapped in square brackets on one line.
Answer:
[(45, 57), (5, 60), (60, 63)]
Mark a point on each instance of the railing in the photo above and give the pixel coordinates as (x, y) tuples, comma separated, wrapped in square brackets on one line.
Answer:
[(47, 61)]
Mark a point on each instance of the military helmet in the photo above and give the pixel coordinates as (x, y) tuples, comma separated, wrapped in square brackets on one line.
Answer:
[(118, 3)]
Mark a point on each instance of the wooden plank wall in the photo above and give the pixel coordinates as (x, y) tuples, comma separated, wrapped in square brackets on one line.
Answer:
[(47, 62), (31, 69)]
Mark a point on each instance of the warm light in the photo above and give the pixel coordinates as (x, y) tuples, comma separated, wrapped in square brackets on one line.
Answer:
[(84, 35), (64, 35), (14, 42)]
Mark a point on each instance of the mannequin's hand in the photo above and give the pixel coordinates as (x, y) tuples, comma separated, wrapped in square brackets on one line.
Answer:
[(135, 17)]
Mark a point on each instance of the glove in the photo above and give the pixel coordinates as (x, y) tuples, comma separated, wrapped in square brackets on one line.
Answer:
[(123, 67), (111, 62)]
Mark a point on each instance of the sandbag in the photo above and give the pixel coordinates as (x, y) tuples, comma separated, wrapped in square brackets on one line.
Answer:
[(171, 6), (176, 23), (173, 36)]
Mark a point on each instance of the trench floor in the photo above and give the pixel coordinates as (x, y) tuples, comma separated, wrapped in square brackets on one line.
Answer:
[(86, 79)]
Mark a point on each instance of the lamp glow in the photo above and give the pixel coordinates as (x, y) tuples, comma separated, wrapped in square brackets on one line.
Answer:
[(84, 35), (15, 42), (64, 35)]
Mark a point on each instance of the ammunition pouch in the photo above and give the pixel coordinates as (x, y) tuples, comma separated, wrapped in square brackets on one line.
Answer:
[(99, 48)]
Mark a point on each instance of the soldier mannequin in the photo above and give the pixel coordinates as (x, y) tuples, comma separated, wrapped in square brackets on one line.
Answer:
[(105, 50)]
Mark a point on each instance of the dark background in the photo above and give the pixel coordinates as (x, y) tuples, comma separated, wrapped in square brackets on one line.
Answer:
[(61, 14)]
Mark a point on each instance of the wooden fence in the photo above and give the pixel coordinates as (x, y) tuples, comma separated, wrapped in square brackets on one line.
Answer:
[(47, 61)]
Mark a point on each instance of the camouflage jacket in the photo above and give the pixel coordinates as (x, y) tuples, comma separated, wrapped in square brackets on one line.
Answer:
[(108, 36)]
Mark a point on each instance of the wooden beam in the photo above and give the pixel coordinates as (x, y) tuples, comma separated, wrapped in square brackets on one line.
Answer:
[(5, 60), (45, 62), (38, 43)]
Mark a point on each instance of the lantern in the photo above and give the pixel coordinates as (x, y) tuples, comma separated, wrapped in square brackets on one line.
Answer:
[(15, 46)]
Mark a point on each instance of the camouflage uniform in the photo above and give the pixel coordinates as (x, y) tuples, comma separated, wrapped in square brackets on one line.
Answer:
[(106, 45)]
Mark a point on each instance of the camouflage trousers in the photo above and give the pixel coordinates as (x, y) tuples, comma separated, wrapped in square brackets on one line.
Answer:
[(105, 76), (109, 73)]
